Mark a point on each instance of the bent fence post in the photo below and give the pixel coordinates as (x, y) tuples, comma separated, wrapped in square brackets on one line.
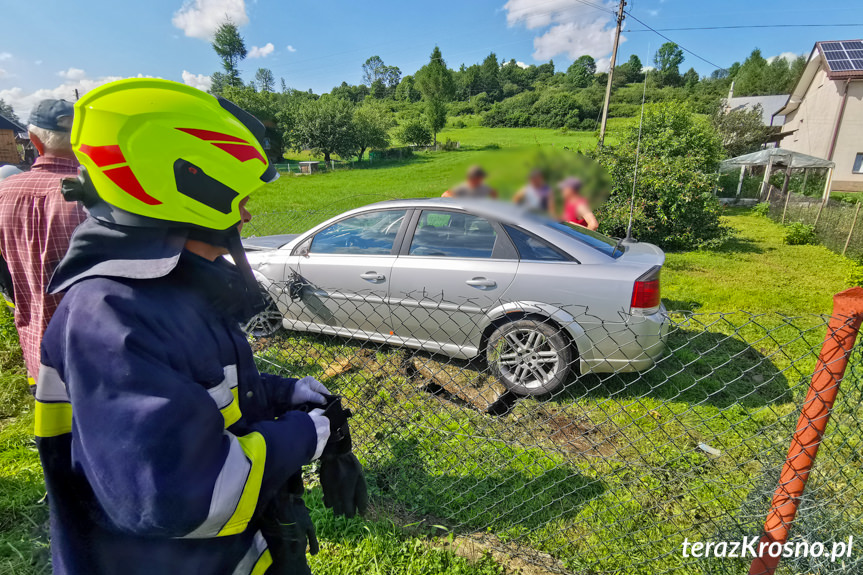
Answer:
[(842, 332), (851, 231)]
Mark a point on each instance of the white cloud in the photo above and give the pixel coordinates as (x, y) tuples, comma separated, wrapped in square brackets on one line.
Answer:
[(787, 56), (201, 18), (199, 81), (565, 27), (262, 51), (23, 102), (72, 74), (5, 56), (291, 48), (521, 64)]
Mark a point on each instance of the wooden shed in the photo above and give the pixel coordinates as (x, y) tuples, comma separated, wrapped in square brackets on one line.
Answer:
[(10, 132)]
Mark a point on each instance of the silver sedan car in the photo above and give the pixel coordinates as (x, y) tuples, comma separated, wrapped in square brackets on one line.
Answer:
[(467, 278)]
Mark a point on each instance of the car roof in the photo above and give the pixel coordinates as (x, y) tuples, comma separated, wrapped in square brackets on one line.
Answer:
[(495, 209)]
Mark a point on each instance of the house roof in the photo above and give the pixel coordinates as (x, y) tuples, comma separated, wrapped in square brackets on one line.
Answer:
[(769, 106), (7, 124), (846, 63)]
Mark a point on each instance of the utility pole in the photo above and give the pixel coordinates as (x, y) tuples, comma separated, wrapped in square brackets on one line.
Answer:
[(611, 72)]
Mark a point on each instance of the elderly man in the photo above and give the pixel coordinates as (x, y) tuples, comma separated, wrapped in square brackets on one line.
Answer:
[(36, 224), (474, 186)]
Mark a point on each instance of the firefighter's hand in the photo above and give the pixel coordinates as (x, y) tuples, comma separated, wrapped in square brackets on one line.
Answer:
[(309, 390)]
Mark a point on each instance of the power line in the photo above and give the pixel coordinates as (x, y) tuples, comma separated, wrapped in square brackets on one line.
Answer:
[(739, 26), (685, 49)]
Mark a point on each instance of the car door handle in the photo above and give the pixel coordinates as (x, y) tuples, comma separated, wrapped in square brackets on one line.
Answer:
[(481, 283), (373, 276)]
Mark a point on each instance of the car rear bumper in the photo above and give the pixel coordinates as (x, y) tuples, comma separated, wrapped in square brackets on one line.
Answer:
[(625, 347)]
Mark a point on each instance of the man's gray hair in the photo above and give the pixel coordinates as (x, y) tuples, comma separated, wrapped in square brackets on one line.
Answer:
[(54, 142)]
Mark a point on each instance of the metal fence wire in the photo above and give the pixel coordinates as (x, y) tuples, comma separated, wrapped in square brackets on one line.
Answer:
[(648, 434), (836, 223)]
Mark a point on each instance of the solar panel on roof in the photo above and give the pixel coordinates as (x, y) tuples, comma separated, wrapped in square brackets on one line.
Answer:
[(843, 56)]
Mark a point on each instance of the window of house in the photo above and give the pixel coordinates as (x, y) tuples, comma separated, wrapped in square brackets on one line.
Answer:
[(858, 164)]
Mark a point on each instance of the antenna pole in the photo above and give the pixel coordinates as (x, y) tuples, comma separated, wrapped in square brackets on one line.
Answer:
[(620, 18)]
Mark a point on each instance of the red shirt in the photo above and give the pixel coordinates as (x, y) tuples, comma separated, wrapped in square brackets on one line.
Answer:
[(570, 211), (35, 226)]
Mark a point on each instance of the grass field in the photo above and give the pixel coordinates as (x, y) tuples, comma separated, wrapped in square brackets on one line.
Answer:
[(754, 271)]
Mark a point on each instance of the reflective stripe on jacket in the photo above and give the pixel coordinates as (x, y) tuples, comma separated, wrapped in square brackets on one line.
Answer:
[(156, 431)]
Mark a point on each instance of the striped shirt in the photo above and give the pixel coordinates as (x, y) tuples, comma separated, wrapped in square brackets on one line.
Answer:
[(35, 226)]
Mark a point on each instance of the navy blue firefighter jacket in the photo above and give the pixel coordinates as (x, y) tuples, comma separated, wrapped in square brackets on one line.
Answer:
[(158, 436)]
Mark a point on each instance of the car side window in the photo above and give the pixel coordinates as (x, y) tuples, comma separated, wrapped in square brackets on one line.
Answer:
[(370, 233), (453, 235), (533, 248)]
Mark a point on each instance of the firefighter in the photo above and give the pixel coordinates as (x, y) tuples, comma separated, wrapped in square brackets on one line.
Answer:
[(164, 449)]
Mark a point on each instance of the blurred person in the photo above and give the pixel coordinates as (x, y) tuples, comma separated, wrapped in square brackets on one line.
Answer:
[(164, 449), (36, 223), (474, 186), (537, 196), (8, 170), (576, 208)]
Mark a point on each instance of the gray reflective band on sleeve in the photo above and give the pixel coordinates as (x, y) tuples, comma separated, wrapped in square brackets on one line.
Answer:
[(226, 492), (50, 388), (250, 559)]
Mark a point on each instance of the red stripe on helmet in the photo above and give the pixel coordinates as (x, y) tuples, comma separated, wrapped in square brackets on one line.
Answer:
[(126, 180), (103, 155), (242, 152), (211, 136)]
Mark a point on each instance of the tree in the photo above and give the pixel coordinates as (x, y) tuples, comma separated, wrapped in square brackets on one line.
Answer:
[(284, 85), (489, 77), (372, 123), (580, 73), (632, 70), (407, 91), (414, 133), (265, 80), (326, 126), (231, 48), (668, 58), (435, 82), (690, 78), (373, 69), (7, 111), (742, 130)]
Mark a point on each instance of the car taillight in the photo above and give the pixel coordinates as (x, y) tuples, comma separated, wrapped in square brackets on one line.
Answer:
[(645, 292)]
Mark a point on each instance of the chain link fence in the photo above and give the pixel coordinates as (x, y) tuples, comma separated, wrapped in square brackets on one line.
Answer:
[(570, 439), (836, 223)]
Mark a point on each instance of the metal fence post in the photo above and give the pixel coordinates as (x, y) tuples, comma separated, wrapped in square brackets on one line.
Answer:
[(842, 332), (785, 207), (851, 231)]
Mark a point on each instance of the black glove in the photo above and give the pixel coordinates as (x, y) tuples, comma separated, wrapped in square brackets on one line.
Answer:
[(288, 528), (342, 480), (344, 484)]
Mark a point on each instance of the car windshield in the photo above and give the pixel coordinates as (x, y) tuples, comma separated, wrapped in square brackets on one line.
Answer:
[(595, 240)]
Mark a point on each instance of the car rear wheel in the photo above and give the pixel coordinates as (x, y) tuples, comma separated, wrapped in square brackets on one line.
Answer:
[(531, 357), (266, 323)]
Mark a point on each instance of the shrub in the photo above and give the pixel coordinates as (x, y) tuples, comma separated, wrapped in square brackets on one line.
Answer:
[(459, 124), (415, 133), (800, 234), (761, 209), (674, 203)]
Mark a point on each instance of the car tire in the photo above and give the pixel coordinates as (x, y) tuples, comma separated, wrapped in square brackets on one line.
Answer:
[(267, 322), (531, 357)]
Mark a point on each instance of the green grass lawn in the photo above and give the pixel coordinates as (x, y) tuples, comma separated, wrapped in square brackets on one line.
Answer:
[(510, 481)]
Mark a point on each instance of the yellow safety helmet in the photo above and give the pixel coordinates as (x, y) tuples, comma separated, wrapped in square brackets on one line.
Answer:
[(170, 152)]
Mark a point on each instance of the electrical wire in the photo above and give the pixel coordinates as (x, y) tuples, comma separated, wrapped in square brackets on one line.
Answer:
[(738, 27), (684, 48)]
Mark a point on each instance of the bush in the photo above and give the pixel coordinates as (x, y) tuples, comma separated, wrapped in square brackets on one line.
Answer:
[(415, 133), (761, 209), (674, 203), (800, 234)]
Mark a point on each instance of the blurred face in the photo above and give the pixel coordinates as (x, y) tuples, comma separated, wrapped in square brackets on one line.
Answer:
[(475, 181), (537, 181)]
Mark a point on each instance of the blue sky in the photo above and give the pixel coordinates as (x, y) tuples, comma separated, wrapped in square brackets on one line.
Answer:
[(63, 45)]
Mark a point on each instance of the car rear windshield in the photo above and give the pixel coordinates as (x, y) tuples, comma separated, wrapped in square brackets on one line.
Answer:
[(595, 240)]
